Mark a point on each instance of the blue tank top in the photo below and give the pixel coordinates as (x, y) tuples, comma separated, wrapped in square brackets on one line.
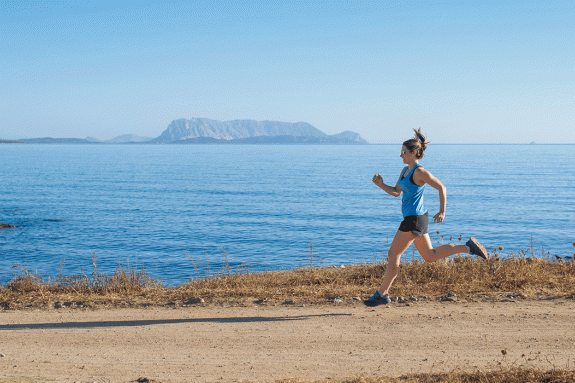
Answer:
[(412, 202)]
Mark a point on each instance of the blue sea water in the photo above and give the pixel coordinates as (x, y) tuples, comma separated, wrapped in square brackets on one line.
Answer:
[(156, 206)]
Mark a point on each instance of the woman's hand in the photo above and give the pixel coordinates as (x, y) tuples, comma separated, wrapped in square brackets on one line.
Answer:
[(378, 180), (396, 192), (438, 218)]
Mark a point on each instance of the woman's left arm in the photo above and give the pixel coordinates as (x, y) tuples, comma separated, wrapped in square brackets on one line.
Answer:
[(423, 177)]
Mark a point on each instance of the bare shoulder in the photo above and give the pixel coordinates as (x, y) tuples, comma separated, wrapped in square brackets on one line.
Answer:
[(422, 176), (421, 171)]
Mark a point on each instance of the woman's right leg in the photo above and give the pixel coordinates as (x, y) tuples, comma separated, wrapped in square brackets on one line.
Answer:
[(429, 254), (400, 243)]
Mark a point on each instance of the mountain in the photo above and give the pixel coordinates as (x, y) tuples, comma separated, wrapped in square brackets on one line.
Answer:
[(203, 130), (128, 138), (228, 130)]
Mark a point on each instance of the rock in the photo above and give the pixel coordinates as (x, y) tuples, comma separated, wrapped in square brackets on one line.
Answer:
[(6, 226), (204, 130), (450, 297), (2, 355), (337, 300), (413, 299), (357, 299), (342, 267)]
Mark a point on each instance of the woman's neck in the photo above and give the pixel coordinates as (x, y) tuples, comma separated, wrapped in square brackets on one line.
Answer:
[(412, 164)]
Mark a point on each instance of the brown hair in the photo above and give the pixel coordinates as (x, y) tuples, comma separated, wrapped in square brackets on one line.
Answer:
[(418, 143)]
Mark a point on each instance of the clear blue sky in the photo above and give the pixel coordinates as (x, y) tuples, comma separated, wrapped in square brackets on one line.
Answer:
[(464, 71)]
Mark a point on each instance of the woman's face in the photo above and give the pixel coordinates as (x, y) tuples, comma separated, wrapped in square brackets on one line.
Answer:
[(406, 155)]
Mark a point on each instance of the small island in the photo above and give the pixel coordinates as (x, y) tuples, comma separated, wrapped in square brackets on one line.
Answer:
[(208, 131)]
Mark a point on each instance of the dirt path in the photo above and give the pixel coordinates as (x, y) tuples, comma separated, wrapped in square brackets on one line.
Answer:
[(206, 344)]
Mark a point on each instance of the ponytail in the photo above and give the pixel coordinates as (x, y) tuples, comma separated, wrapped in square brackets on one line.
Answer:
[(418, 143)]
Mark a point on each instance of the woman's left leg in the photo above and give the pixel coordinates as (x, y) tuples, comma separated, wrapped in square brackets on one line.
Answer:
[(400, 243), (429, 254)]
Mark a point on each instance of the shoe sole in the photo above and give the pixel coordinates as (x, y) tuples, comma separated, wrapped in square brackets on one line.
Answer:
[(482, 252), (374, 304)]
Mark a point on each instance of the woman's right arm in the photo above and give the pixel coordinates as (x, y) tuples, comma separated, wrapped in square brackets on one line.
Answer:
[(393, 191)]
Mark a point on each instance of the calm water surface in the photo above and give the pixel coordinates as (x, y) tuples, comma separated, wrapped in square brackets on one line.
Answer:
[(153, 206)]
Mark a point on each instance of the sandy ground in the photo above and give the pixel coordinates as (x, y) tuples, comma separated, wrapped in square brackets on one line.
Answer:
[(258, 343)]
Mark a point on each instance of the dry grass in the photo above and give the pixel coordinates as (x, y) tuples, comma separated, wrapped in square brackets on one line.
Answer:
[(512, 375), (503, 375), (461, 275), (515, 276)]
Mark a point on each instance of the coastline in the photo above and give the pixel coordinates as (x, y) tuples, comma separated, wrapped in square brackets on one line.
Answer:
[(459, 278)]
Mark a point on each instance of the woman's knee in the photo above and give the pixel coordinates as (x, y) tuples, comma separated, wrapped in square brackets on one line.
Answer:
[(393, 262), (429, 255), (393, 259)]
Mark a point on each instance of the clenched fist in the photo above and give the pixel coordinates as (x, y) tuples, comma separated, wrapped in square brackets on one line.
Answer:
[(378, 180)]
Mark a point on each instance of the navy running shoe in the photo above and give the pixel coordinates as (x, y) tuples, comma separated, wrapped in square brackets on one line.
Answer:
[(476, 248), (377, 299)]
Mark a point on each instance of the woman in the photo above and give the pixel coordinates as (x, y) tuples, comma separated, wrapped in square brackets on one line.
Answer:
[(413, 229)]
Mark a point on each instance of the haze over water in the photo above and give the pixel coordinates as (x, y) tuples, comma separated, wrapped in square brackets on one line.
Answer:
[(153, 206)]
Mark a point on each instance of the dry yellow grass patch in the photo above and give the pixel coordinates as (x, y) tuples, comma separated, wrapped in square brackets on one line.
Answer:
[(467, 277), (513, 375)]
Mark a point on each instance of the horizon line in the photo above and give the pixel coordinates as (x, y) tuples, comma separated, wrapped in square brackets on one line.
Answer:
[(104, 142)]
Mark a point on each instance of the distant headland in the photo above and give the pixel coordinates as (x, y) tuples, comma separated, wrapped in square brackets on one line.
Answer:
[(208, 131)]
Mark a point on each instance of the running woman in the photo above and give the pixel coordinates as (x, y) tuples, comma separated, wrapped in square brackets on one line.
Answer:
[(413, 229)]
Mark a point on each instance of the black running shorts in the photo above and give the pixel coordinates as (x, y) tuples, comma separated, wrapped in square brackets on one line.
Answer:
[(417, 224)]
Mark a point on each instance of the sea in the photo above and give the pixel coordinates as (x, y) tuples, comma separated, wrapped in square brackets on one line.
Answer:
[(182, 212)]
